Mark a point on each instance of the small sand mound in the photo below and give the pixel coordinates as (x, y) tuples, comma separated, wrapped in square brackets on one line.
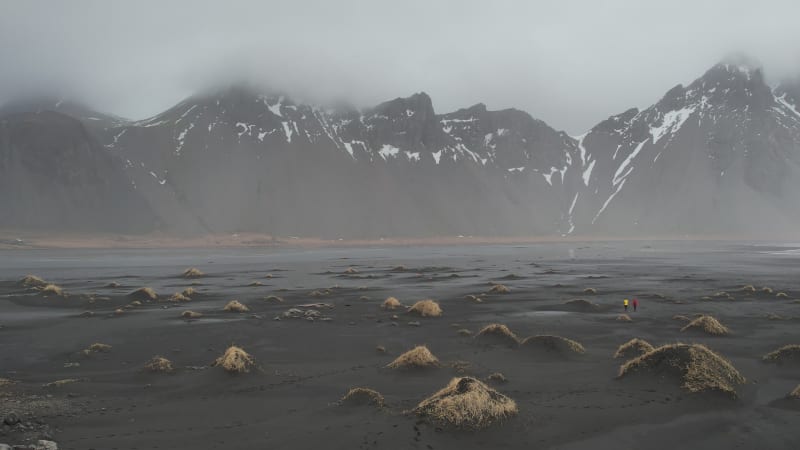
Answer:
[(255, 284), (580, 304), (467, 403), (6, 382), (159, 364), (698, 368), (144, 294), (380, 349), (748, 288), (52, 289), (707, 324), (192, 272), (767, 290), (235, 360), (274, 299), (497, 377), (473, 298), (426, 308), (781, 295), (191, 315), (236, 306), (795, 394), (498, 334), (590, 291), (178, 297), (786, 354), (681, 317), (634, 347), (464, 332), (499, 289), (417, 358), (624, 318), (189, 292), (552, 344), (400, 268), (32, 281), (112, 285), (351, 271), (97, 347), (362, 397), (59, 383), (391, 303)]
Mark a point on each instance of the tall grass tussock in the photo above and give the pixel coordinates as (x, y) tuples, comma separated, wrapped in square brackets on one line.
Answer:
[(467, 403)]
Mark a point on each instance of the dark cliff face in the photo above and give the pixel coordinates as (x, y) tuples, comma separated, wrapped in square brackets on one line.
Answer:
[(717, 156), (55, 175)]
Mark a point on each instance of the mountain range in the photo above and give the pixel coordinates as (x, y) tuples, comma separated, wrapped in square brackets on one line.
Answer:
[(720, 156)]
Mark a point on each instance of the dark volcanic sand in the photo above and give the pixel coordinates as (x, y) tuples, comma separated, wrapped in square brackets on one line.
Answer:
[(305, 367)]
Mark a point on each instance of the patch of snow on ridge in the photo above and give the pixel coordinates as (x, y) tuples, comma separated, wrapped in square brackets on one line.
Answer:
[(276, 108), (587, 174), (437, 156), (672, 122), (789, 106), (288, 131), (581, 148), (388, 150), (621, 173), (412, 156), (517, 169), (349, 147), (549, 176), (611, 197)]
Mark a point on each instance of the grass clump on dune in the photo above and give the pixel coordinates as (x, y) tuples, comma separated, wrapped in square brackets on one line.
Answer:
[(159, 364), (624, 318), (274, 299), (497, 377), (748, 288), (97, 347), (235, 306), (52, 289), (418, 357), (681, 317), (634, 347), (144, 294), (467, 403), (32, 281), (351, 271), (178, 297), (497, 333), (698, 368), (553, 344), (191, 315), (795, 394), (235, 360), (781, 295), (6, 382), (362, 397), (707, 324), (192, 272), (426, 308), (391, 303), (581, 305), (59, 383), (590, 291), (464, 332), (499, 289), (767, 290), (785, 354)]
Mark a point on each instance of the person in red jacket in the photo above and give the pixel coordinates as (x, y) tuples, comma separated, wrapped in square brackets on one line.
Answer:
[(635, 304)]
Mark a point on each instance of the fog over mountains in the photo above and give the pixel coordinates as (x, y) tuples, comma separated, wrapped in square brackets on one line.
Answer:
[(717, 157)]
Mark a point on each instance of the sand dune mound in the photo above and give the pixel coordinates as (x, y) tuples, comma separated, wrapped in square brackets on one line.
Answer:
[(633, 348), (624, 318), (499, 289), (362, 397), (97, 347), (235, 360), (497, 377), (708, 325), (273, 299), (590, 291), (178, 297), (235, 306), (417, 358), (191, 315), (786, 354), (467, 403), (581, 305), (351, 271), (32, 281), (795, 394), (145, 294), (159, 364), (192, 272), (698, 368), (426, 308), (497, 333), (391, 303), (52, 290), (552, 345)]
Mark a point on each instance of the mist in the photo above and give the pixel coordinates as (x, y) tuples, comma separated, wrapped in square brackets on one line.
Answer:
[(570, 63)]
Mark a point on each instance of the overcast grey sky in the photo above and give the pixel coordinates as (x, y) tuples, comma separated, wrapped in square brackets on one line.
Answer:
[(571, 63)]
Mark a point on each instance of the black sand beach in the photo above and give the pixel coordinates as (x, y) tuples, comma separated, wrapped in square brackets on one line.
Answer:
[(565, 400)]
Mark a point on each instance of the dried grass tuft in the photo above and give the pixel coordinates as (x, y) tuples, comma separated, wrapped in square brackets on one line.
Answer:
[(417, 358), (634, 347), (426, 308), (467, 403), (159, 364), (236, 306), (363, 397), (497, 333), (235, 360), (707, 324)]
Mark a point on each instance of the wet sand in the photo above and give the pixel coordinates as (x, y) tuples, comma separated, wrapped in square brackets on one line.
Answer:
[(305, 367)]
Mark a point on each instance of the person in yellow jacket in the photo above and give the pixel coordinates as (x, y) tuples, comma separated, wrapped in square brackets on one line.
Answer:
[(625, 304)]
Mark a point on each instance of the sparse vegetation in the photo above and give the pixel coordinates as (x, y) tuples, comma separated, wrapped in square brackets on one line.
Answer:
[(189, 292), (59, 383), (159, 364), (767, 290), (274, 299), (473, 298), (363, 397), (499, 289), (236, 306), (795, 394), (590, 291), (497, 377), (707, 324), (426, 308), (235, 360), (350, 271), (748, 288), (497, 333), (681, 317), (144, 294), (52, 289), (552, 343), (97, 347), (464, 332), (192, 272), (698, 368), (32, 281), (624, 318), (467, 403), (634, 347), (178, 297), (391, 303), (417, 358), (191, 315), (6, 382), (786, 354)]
